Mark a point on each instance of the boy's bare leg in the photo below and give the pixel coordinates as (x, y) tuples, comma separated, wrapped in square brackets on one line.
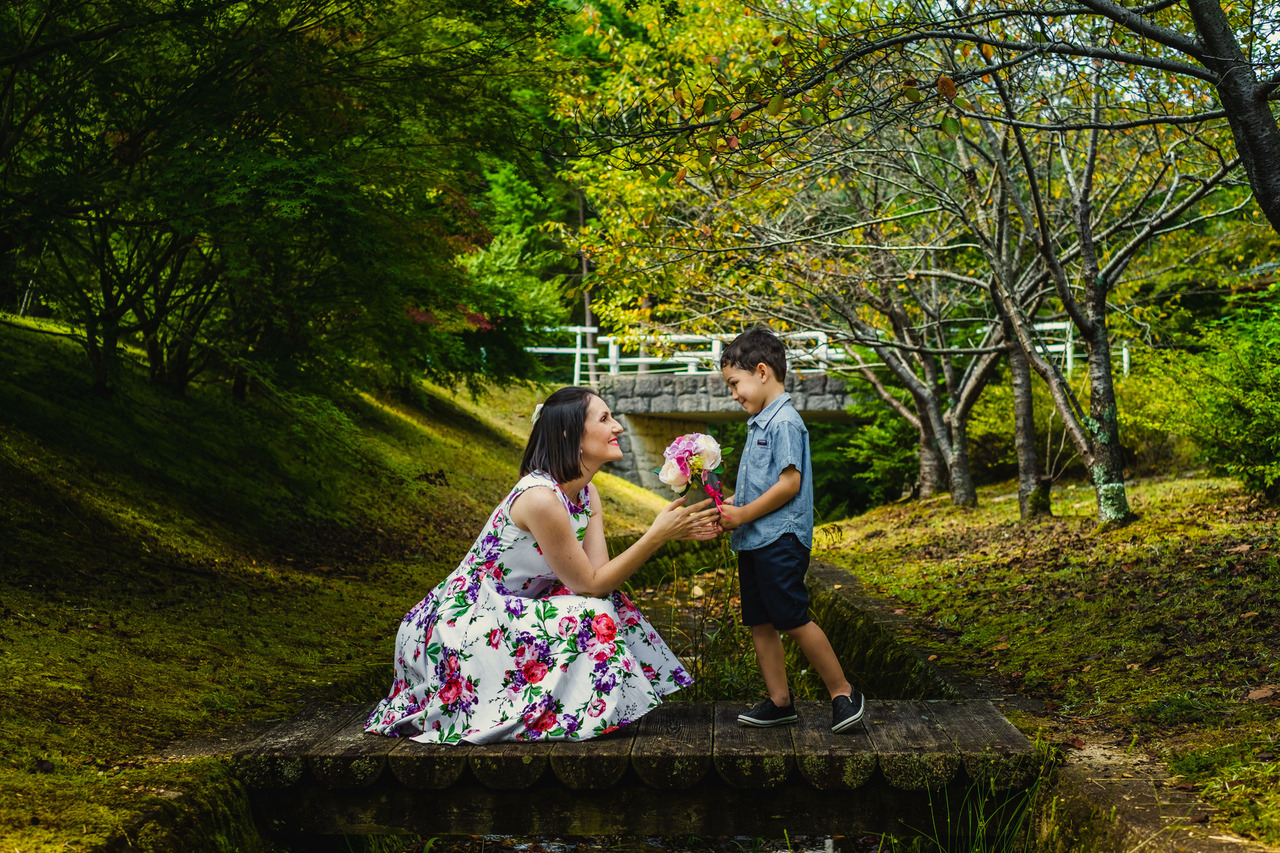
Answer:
[(817, 649), (772, 663)]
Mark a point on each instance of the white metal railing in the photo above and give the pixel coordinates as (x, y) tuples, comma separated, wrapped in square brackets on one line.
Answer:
[(807, 352)]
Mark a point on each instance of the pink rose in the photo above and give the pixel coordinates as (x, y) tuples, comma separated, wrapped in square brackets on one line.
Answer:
[(568, 626), (451, 690), (495, 637), (547, 720), (535, 671), (604, 627), (649, 672), (522, 654), (451, 665), (596, 708)]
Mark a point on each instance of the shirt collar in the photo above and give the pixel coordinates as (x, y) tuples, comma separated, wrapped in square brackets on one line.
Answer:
[(765, 415)]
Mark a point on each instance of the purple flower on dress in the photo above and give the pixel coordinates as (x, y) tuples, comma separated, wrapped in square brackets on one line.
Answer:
[(681, 677), (570, 722), (490, 547), (515, 606), (606, 682)]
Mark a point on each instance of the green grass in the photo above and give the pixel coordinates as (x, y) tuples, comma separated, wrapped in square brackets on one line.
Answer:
[(1151, 635), (171, 568)]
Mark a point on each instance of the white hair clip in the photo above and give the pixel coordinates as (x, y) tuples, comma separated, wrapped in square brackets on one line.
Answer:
[(537, 411)]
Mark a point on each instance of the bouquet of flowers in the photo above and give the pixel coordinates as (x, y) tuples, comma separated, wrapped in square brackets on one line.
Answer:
[(694, 460)]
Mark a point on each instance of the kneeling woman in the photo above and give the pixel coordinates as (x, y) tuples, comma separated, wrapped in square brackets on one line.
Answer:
[(529, 638)]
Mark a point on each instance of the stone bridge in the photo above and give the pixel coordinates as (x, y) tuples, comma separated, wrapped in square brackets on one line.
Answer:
[(656, 408)]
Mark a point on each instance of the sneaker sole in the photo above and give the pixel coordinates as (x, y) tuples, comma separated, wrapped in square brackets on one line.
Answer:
[(765, 724), (845, 725)]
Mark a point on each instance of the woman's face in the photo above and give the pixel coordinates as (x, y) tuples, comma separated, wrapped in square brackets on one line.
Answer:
[(600, 435)]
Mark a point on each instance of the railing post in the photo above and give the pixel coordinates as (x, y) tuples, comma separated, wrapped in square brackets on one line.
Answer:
[(577, 355), (615, 354)]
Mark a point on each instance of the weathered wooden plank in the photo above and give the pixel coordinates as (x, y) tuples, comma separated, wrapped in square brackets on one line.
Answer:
[(506, 766), (350, 757), (827, 760), (673, 749), (591, 765), (428, 766), (913, 751), (279, 758), (992, 749), (748, 757)]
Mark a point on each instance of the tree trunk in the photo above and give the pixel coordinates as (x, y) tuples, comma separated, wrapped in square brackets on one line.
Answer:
[(239, 384), (1106, 458), (1033, 487), (1244, 100), (933, 468), (962, 491)]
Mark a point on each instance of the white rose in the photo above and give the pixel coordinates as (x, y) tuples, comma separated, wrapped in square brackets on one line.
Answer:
[(671, 475), (709, 450)]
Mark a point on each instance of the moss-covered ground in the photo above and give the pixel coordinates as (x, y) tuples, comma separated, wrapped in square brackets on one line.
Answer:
[(173, 568), (1162, 635)]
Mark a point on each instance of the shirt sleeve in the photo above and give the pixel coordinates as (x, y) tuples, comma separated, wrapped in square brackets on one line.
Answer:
[(788, 447)]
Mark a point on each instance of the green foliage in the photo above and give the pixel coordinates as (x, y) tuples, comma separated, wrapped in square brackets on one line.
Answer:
[(1226, 398), (883, 454)]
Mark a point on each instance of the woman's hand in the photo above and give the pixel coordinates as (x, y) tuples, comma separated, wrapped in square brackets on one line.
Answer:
[(677, 521)]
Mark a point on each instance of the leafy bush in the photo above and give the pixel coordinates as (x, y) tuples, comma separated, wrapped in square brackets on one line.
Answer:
[(1226, 398)]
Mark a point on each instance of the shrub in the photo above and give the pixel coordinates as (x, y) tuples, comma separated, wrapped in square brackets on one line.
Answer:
[(1226, 398)]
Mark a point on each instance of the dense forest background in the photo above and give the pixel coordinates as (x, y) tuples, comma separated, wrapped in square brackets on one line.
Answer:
[(288, 198)]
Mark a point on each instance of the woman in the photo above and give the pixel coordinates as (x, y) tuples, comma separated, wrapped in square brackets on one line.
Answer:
[(529, 638)]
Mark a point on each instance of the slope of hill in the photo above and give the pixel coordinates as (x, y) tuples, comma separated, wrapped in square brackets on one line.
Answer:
[(178, 567)]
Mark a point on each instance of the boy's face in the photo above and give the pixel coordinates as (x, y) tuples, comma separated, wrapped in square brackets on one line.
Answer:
[(749, 388)]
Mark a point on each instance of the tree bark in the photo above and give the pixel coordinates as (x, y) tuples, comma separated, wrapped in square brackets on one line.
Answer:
[(1033, 486), (1245, 101), (933, 468)]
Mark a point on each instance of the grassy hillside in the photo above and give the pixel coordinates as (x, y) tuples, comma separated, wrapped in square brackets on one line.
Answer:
[(1161, 636), (175, 567)]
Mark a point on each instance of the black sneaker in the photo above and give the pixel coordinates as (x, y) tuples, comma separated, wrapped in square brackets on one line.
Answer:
[(768, 714), (846, 711)]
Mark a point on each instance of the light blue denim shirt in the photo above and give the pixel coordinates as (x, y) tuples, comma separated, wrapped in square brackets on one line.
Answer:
[(776, 438)]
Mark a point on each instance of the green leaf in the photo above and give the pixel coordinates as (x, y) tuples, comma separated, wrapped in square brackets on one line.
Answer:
[(666, 178), (775, 105), (963, 103), (705, 159), (913, 94), (950, 126)]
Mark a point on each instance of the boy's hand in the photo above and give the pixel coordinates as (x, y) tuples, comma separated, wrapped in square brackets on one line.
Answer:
[(728, 516)]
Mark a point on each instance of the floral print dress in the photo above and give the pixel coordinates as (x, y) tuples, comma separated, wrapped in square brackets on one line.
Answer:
[(502, 651)]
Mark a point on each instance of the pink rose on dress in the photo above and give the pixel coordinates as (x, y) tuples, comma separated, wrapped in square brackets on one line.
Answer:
[(535, 671), (451, 665), (568, 625), (649, 672), (451, 691), (604, 627), (596, 708), (559, 589), (546, 721), (600, 652), (522, 654), (495, 638)]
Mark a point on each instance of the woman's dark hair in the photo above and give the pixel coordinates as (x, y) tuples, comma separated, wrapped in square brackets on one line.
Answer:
[(756, 346), (555, 445)]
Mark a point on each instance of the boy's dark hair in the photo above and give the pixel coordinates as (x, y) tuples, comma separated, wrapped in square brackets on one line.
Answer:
[(756, 346), (555, 445)]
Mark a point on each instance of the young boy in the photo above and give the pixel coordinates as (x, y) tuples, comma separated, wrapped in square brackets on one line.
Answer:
[(771, 519)]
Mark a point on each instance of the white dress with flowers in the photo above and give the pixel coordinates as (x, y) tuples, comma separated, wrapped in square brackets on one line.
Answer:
[(502, 651)]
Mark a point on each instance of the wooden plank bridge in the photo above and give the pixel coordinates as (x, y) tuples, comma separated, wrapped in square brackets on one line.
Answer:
[(687, 768)]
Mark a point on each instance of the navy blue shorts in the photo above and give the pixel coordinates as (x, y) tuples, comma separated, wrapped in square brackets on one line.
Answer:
[(772, 581)]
